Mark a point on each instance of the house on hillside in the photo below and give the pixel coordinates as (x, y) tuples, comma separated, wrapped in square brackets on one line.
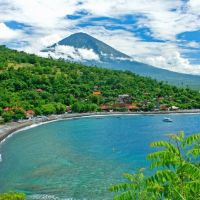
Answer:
[(174, 108), (96, 93), (122, 98), (133, 107), (145, 103), (160, 99), (69, 109), (39, 90), (29, 114), (146, 93), (106, 108), (6, 109), (95, 88), (164, 107)]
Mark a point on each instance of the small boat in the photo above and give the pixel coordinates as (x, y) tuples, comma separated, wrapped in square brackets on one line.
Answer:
[(167, 119), (119, 117)]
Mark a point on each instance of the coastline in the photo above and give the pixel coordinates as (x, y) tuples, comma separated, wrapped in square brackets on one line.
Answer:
[(11, 127)]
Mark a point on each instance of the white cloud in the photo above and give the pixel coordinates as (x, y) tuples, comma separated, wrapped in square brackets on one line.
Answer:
[(164, 18), (174, 63), (88, 54), (47, 22), (7, 34), (193, 44), (71, 53), (49, 40)]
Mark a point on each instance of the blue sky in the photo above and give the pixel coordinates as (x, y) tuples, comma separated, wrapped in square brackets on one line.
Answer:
[(163, 33)]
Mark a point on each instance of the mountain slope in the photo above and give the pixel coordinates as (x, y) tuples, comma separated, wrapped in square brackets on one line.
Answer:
[(111, 58), (83, 40)]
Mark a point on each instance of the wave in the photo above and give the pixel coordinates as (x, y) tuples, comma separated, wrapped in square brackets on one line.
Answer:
[(48, 197), (0, 158)]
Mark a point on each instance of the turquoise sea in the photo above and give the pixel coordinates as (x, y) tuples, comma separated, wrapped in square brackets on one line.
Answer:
[(80, 158)]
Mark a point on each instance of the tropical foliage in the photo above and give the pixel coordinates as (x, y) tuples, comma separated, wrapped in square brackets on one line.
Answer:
[(12, 196), (47, 86), (177, 176)]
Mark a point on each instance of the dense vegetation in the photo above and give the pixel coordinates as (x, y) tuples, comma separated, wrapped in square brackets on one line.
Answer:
[(179, 178), (29, 82), (12, 195)]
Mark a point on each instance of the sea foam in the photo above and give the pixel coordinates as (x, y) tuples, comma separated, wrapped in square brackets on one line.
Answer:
[(48, 197)]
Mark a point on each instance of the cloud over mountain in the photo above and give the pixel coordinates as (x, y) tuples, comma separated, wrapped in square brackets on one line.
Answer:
[(174, 63), (7, 34), (141, 29)]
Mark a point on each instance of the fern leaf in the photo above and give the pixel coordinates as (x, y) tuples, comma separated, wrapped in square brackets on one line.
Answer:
[(192, 139)]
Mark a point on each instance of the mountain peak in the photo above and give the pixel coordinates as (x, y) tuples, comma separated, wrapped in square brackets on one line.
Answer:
[(82, 40)]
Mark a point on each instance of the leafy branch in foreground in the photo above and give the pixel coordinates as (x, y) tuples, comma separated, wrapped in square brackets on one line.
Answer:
[(12, 196), (179, 178)]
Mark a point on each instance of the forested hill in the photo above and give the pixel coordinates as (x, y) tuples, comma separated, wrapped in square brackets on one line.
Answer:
[(47, 86)]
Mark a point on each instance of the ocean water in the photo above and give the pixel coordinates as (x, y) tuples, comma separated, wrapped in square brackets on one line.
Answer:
[(81, 158)]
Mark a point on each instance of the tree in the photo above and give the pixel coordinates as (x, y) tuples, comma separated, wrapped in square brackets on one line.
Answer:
[(48, 109), (7, 116), (179, 178), (150, 106), (19, 114), (76, 107), (60, 108), (12, 196), (1, 110), (38, 111)]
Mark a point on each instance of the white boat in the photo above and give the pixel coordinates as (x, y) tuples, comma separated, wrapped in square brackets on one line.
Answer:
[(167, 119)]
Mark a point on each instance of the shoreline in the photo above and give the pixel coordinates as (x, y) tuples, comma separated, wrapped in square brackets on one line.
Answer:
[(11, 127)]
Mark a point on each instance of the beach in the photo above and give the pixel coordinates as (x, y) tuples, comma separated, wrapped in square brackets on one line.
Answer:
[(12, 127)]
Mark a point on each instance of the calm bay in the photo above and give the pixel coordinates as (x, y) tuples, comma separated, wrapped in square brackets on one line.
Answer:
[(80, 158)]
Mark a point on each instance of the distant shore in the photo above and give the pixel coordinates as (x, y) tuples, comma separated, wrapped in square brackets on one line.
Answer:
[(11, 127)]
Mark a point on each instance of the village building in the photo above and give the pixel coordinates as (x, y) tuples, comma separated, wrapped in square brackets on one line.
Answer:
[(146, 93), (96, 93), (29, 114), (95, 88), (174, 108), (69, 109), (160, 99), (106, 108), (6, 109), (122, 98), (145, 103), (133, 107), (39, 90), (164, 107)]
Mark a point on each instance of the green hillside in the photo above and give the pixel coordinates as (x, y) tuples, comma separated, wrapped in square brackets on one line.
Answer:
[(47, 86), (113, 59)]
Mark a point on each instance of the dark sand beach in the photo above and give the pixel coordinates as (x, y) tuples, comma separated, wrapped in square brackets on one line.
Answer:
[(11, 127)]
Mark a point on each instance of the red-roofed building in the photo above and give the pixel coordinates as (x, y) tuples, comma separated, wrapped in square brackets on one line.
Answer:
[(164, 107), (30, 111), (39, 90), (29, 114), (96, 93), (146, 93), (130, 107), (105, 108), (68, 109), (160, 98), (6, 109)]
